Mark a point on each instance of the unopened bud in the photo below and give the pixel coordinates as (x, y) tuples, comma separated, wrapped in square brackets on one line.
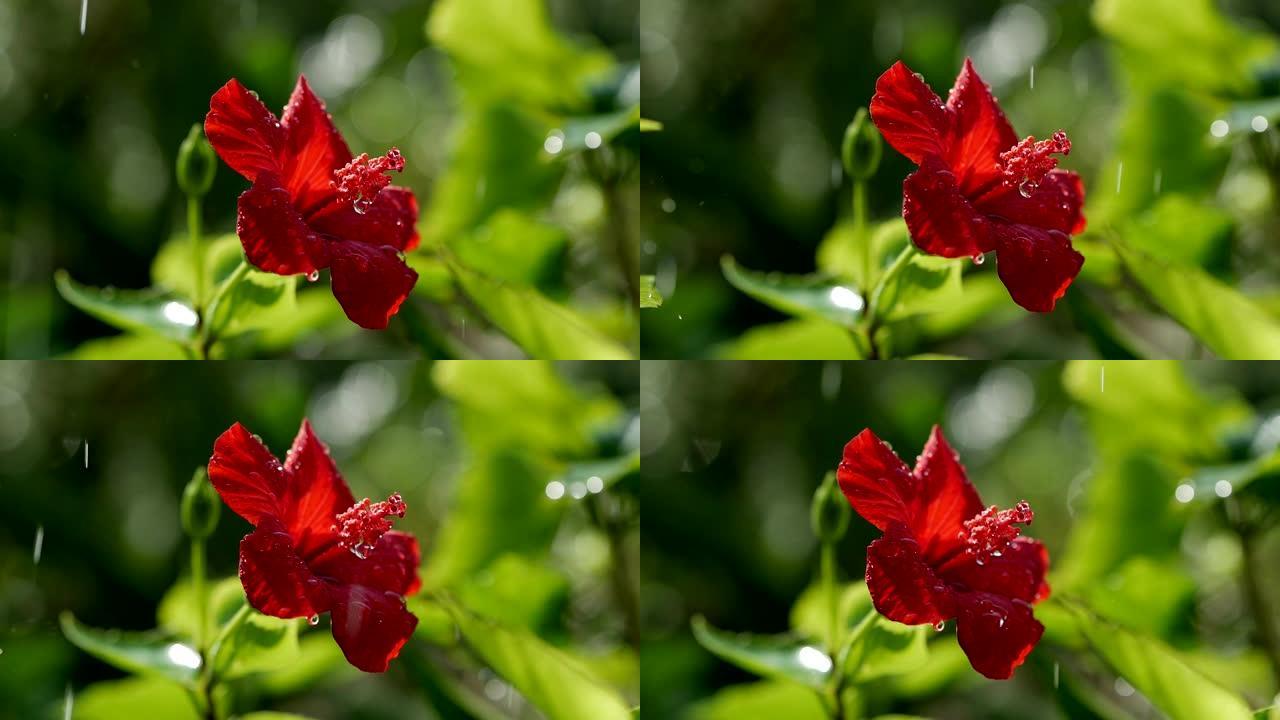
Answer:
[(200, 506), (196, 163), (830, 511), (862, 147)]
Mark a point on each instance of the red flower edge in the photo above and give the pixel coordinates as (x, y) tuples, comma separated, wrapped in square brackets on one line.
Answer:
[(314, 549), (978, 188), (942, 555), (312, 206)]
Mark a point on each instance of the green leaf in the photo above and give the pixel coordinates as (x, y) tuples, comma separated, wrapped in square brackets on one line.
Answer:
[(435, 279), (258, 299), (1183, 232), (177, 612), (649, 296), (259, 643), (267, 715), (147, 311), (608, 470), (791, 340), (843, 254), (515, 248), (542, 328), (882, 647), (1159, 673), (1145, 595), (1192, 45), (173, 269), (557, 684), (516, 592), (1237, 476), (768, 700), (607, 126), (1227, 322), (132, 698), (806, 296), (778, 657), (924, 285), (647, 125), (509, 49), (144, 653), (128, 347)]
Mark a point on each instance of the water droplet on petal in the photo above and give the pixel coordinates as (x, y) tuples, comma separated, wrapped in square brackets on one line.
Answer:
[(979, 259), (361, 205), (313, 620), (360, 550), (1026, 188), (313, 276), (940, 625)]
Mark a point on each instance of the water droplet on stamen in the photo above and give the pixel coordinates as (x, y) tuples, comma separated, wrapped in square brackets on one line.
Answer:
[(313, 276), (361, 205), (360, 550), (979, 259), (1025, 188), (313, 620)]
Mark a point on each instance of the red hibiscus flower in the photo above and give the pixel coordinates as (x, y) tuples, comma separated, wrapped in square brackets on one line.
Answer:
[(978, 188), (314, 549), (313, 206), (942, 555)]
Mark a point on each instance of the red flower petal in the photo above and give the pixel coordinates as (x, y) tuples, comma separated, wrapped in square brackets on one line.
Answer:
[(274, 235), (875, 480), (979, 132), (276, 580), (370, 282), (391, 220), (996, 633), (1036, 265), (903, 587), (315, 148), (392, 565), (1017, 572), (246, 475), (944, 498), (909, 115), (1055, 205), (313, 493), (244, 132), (939, 217), (370, 625)]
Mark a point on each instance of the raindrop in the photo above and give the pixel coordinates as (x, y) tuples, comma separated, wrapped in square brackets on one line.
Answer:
[(39, 548), (940, 625), (314, 620), (1102, 379), (1219, 128), (84, 15), (979, 259), (595, 484), (1025, 188), (313, 276), (361, 205), (86, 454), (668, 205)]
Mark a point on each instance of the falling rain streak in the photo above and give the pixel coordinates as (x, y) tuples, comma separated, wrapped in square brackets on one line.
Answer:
[(1033, 77), (84, 16), (1155, 184), (1119, 176), (38, 550), (86, 454), (68, 701)]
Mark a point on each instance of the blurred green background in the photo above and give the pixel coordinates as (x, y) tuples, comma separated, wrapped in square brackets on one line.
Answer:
[(1124, 464), (90, 126), (491, 459), (755, 96)]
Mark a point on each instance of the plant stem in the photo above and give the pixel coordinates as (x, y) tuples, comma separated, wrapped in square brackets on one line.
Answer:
[(197, 586), (831, 595), (197, 253), (874, 309), (207, 336), (624, 250), (1262, 612), (614, 523), (860, 230)]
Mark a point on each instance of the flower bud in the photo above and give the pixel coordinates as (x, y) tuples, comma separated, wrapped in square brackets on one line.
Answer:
[(200, 506), (830, 511), (862, 147), (196, 163)]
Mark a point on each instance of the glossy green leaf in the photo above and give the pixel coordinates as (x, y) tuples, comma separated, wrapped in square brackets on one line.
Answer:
[(769, 700), (435, 279), (811, 296), (259, 643), (267, 715), (778, 657), (1227, 322), (173, 269), (541, 327), (258, 299), (649, 296), (924, 285), (844, 254), (144, 653), (131, 698), (1160, 673), (647, 125), (516, 592), (608, 471), (1183, 232), (1208, 480), (147, 311), (791, 340), (557, 684), (881, 648), (177, 613)]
